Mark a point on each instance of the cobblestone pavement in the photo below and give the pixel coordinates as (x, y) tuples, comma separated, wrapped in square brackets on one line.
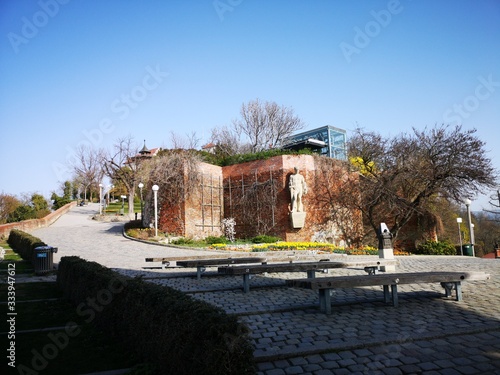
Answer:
[(426, 334)]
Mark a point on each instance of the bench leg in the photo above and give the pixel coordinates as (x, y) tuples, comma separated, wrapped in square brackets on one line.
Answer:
[(448, 289), (387, 297), (199, 271), (391, 297), (458, 287), (394, 290), (311, 274), (325, 303), (246, 283)]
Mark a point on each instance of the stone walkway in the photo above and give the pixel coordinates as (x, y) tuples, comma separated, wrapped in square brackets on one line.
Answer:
[(426, 334)]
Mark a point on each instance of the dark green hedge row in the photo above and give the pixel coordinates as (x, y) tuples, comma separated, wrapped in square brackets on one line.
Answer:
[(24, 243), (167, 328), (436, 248)]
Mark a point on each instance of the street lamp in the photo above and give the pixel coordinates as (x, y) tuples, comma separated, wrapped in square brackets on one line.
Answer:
[(123, 203), (459, 221), (471, 227), (100, 199), (155, 192), (141, 185)]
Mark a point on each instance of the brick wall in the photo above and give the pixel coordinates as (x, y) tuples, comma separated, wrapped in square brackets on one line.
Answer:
[(255, 194), (29, 225)]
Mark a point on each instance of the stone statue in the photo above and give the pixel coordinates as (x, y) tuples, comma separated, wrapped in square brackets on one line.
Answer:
[(298, 187)]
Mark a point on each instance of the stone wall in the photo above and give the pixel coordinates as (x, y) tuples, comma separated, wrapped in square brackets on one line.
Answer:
[(29, 225)]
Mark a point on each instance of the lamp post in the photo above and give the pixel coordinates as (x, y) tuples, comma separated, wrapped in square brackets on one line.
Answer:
[(110, 187), (100, 199), (141, 185), (459, 221), (123, 204), (155, 192), (471, 228)]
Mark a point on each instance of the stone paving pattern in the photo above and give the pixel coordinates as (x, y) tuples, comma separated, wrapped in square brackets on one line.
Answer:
[(426, 334)]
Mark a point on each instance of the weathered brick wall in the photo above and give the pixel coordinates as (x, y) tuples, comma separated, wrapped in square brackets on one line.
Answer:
[(198, 214), (204, 208), (272, 217), (255, 194), (29, 225)]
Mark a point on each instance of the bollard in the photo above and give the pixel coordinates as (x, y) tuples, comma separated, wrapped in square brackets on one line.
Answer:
[(385, 249)]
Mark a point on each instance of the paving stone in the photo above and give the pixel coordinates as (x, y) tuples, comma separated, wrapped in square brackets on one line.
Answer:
[(427, 366), (312, 367), (346, 362), (444, 363), (315, 358), (294, 370), (392, 371)]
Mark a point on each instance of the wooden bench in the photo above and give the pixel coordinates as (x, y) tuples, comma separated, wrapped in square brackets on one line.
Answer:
[(309, 267), (201, 264), (449, 281)]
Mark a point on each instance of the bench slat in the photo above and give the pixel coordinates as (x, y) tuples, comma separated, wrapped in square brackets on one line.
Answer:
[(217, 261), (385, 279), (280, 267)]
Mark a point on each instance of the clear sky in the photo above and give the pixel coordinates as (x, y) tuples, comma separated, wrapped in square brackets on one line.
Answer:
[(74, 71)]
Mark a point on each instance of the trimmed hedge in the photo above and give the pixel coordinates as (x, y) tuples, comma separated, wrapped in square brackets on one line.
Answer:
[(436, 248), (24, 243), (165, 327)]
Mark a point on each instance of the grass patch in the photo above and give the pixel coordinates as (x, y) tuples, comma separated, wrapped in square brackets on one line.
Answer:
[(10, 256), (115, 208)]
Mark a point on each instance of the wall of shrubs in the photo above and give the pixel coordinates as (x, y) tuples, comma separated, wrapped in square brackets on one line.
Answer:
[(24, 243), (165, 327)]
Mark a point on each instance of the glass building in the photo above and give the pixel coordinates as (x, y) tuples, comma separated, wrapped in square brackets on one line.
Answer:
[(327, 140)]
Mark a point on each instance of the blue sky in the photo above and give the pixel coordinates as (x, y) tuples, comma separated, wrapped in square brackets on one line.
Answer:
[(74, 71)]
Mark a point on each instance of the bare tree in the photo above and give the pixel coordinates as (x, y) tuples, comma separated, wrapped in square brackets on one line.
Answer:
[(400, 177), (265, 125), (494, 212), (126, 165), (88, 167), (190, 141), (227, 141), (340, 196)]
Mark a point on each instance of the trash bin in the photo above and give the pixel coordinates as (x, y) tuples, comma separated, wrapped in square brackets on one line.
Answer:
[(467, 250), (43, 260)]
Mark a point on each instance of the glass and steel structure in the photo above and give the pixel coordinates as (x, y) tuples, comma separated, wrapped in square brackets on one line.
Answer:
[(328, 140)]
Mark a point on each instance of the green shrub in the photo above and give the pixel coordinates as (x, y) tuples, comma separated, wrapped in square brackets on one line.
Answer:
[(24, 243), (183, 241), (436, 248), (212, 239), (133, 224), (165, 327), (263, 238)]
